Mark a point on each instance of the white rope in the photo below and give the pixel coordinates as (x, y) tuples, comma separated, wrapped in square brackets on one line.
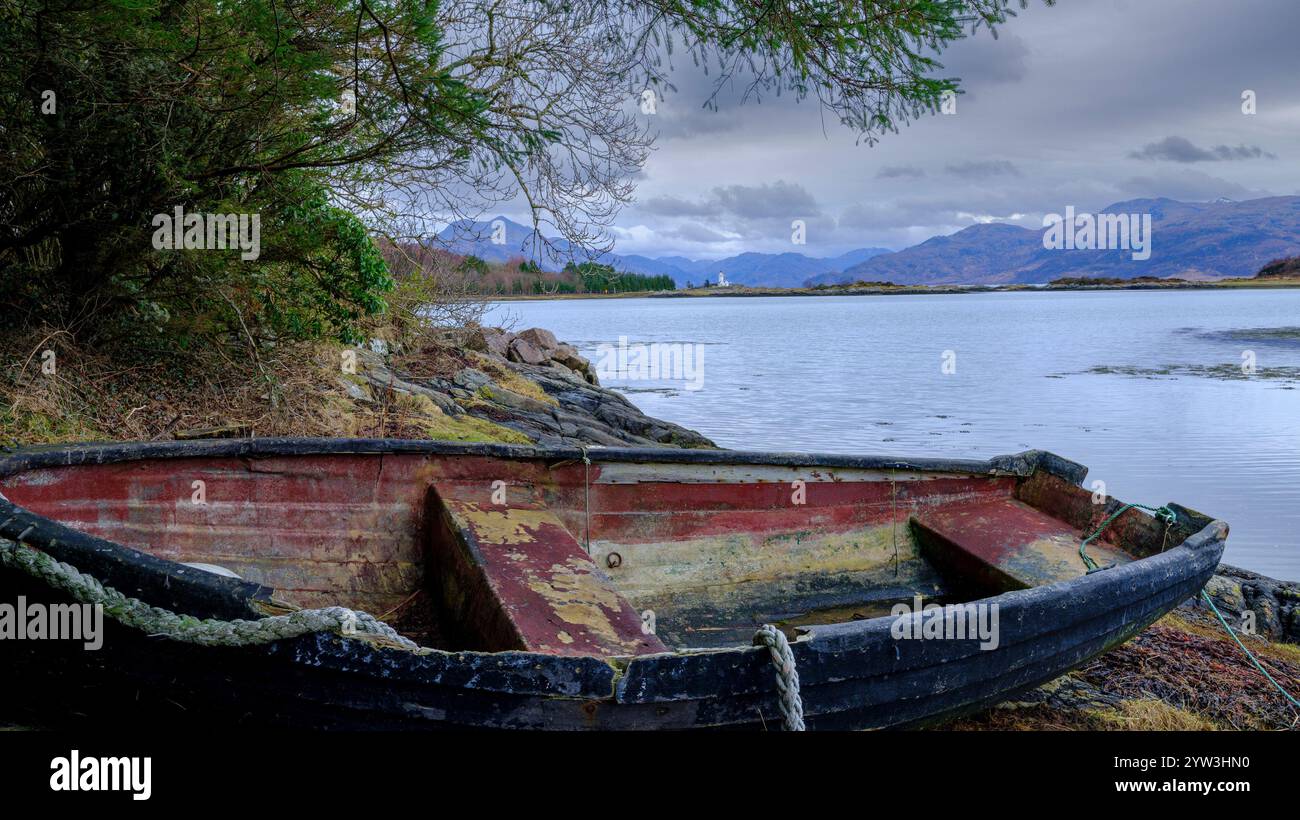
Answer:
[(787, 677), (205, 632)]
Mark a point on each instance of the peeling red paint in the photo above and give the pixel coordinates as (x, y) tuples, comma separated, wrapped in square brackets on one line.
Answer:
[(537, 578), (1011, 544), (359, 530)]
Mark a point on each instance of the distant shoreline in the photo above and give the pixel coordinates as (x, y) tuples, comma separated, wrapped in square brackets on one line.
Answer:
[(742, 291)]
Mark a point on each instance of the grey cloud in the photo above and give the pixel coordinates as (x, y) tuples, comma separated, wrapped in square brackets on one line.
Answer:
[(876, 216), (983, 169), (981, 59), (1181, 149), (678, 119), (933, 215), (695, 107), (780, 199), (676, 206), (1187, 185), (1242, 152), (695, 232), (899, 171), (777, 200), (1064, 94)]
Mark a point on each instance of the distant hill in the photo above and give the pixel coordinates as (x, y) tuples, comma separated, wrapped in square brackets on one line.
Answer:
[(980, 253), (757, 269), (782, 270), (1191, 240), (1281, 269), (469, 238)]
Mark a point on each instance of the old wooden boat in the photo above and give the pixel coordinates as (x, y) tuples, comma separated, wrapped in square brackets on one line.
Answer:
[(573, 589)]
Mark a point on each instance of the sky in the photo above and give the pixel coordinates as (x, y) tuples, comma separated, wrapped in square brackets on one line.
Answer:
[(1086, 103)]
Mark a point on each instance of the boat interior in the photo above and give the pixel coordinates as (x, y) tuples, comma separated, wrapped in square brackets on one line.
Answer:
[(612, 558)]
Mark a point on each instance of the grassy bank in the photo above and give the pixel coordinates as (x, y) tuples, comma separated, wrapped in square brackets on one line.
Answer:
[(57, 391)]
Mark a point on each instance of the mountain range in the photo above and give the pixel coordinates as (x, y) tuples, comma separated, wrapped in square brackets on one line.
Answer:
[(787, 270), (1191, 240)]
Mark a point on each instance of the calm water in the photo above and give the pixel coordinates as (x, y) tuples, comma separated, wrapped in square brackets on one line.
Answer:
[(864, 375)]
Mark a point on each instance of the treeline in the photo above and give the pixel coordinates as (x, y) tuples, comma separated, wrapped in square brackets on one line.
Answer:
[(473, 275), (592, 277)]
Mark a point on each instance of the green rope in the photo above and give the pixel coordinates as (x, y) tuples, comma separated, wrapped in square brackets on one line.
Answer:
[(1249, 654), (1162, 513), (1167, 515)]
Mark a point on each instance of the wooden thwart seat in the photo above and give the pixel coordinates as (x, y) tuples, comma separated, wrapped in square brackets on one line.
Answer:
[(1005, 544), (516, 579)]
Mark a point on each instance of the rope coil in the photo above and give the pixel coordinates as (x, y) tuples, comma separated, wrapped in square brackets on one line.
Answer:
[(787, 676)]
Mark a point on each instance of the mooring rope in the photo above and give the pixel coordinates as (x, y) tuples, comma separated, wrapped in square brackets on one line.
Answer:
[(1162, 513), (203, 631), (1167, 516), (1249, 654), (787, 677)]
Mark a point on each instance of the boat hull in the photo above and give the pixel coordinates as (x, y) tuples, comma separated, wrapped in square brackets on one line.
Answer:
[(854, 675)]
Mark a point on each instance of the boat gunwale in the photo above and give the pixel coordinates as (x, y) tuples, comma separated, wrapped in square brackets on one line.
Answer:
[(46, 456), (175, 586)]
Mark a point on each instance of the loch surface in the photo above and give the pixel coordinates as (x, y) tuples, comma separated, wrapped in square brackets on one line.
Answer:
[(1145, 387)]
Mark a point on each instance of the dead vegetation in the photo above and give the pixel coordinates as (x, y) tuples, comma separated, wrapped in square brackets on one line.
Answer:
[(1202, 672), (53, 390), (1183, 673)]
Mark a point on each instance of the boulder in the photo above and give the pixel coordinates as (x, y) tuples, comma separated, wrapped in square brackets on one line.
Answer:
[(1276, 604), (383, 380), (1226, 594), (562, 353), (568, 356), (521, 350), (499, 345), (357, 388), (471, 379), (579, 410), (543, 340), (491, 340)]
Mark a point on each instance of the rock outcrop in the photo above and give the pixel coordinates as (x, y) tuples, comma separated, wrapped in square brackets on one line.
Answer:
[(1274, 604), (528, 382)]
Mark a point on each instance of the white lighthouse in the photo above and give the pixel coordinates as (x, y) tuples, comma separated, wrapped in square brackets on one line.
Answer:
[(722, 280)]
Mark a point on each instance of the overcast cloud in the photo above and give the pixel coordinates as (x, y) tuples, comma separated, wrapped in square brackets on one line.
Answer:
[(1087, 103)]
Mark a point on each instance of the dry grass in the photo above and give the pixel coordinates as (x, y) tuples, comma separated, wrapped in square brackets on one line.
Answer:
[(1038, 718), (1151, 715), (1182, 673), (1143, 714), (509, 379), (55, 391), (1199, 671)]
